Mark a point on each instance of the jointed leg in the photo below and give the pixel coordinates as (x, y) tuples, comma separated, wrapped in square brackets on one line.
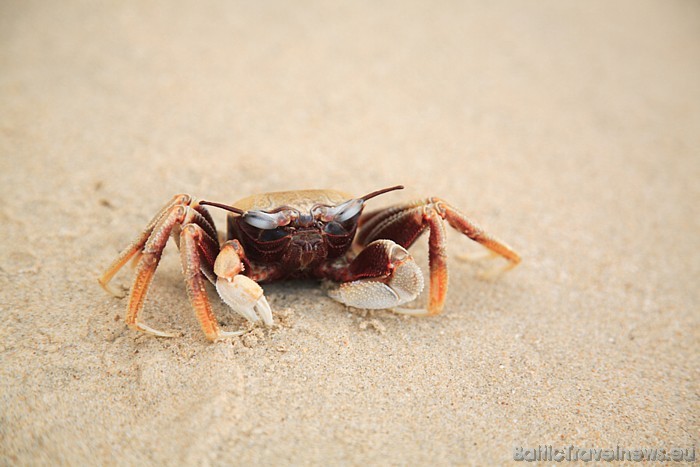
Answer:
[(193, 230), (198, 252), (148, 248), (134, 249), (150, 257), (471, 229), (404, 224), (437, 261)]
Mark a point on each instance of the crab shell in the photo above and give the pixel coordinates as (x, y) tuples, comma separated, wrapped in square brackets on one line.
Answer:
[(301, 200), (302, 244)]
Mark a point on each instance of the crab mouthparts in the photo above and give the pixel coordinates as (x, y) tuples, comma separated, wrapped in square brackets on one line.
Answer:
[(306, 258), (305, 251)]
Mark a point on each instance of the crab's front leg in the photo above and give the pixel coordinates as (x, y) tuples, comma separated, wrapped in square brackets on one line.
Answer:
[(405, 223), (238, 291), (181, 216), (198, 253), (192, 227), (383, 275)]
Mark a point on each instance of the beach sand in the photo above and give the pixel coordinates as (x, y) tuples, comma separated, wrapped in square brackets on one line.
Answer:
[(569, 129)]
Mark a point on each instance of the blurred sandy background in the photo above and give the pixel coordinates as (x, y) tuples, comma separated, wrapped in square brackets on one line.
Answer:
[(569, 129)]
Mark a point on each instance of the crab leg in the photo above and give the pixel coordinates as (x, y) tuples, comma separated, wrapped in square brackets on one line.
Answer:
[(150, 257), (471, 229), (437, 261), (134, 250), (404, 224), (198, 253), (137, 245)]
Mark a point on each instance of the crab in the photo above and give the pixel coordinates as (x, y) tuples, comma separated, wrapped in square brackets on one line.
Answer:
[(322, 234)]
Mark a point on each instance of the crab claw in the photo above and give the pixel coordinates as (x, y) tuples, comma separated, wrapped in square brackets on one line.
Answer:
[(402, 285), (245, 297)]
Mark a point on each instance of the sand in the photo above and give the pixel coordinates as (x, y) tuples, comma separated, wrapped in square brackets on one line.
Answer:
[(569, 129)]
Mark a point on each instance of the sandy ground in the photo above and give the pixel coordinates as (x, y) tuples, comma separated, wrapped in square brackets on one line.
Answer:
[(570, 129)]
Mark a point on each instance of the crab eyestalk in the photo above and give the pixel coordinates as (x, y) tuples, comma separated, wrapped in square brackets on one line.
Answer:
[(350, 208)]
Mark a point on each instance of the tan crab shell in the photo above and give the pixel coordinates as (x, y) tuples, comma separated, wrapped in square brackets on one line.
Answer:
[(301, 200)]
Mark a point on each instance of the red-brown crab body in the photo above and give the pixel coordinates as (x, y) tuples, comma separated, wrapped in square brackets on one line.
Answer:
[(300, 248), (308, 233)]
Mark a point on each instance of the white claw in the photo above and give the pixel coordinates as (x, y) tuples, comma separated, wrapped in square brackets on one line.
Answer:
[(245, 297), (264, 310), (371, 295), (403, 286)]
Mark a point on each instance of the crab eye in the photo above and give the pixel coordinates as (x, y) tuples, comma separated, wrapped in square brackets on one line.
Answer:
[(334, 228), (270, 235), (348, 210), (266, 221)]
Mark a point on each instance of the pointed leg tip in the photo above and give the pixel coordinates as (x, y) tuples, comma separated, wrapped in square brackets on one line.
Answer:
[(149, 330), (223, 335), (476, 257), (110, 290), (497, 272), (411, 311)]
